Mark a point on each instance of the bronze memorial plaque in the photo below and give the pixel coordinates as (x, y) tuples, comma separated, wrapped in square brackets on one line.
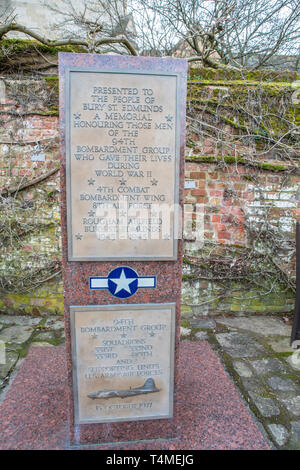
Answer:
[(122, 145), (123, 362)]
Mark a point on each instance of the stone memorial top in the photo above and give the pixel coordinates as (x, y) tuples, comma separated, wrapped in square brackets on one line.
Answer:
[(122, 151)]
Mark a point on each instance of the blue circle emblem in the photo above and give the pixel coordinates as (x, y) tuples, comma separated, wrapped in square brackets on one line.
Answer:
[(122, 282)]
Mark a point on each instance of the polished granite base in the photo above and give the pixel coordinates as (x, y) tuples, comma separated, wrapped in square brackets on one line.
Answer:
[(212, 415)]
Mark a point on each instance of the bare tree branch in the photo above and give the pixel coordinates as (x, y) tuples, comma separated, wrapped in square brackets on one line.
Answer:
[(4, 29)]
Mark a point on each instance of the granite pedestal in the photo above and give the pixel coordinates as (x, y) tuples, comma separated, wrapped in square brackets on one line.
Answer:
[(211, 413)]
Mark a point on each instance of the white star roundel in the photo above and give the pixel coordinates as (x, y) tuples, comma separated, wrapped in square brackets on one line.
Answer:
[(123, 282)]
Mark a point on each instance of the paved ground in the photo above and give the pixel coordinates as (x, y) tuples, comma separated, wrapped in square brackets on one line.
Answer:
[(255, 352), (34, 412)]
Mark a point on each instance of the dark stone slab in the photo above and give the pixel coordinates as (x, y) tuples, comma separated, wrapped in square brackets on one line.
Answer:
[(292, 404), (282, 385), (240, 344), (11, 358), (279, 433), (295, 435), (266, 406), (20, 320), (34, 413), (203, 323), (242, 369), (16, 334), (253, 384), (268, 364)]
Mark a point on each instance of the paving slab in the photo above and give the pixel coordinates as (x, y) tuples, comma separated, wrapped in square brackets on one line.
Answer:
[(240, 344), (281, 345), (203, 323), (201, 335), (19, 320), (11, 358), (294, 360), (253, 384), (295, 434), (185, 331), (33, 414), (242, 369), (282, 385), (54, 323), (292, 404), (266, 406), (45, 336), (267, 365), (279, 433), (16, 334), (266, 326)]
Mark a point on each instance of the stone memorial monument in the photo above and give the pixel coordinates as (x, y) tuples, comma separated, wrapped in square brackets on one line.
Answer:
[(122, 170)]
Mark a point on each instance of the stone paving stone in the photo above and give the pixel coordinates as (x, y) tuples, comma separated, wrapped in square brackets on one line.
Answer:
[(242, 369), (268, 364), (41, 343), (54, 324), (279, 433), (19, 320), (266, 406), (294, 360), (282, 385), (292, 404), (295, 434), (201, 335), (253, 384), (204, 323), (16, 334), (281, 345), (11, 359), (240, 344), (185, 331), (45, 336), (265, 326)]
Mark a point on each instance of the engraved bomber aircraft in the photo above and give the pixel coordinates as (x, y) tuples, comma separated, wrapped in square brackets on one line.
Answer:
[(148, 387)]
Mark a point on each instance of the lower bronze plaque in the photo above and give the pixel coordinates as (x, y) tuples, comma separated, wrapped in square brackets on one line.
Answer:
[(123, 362)]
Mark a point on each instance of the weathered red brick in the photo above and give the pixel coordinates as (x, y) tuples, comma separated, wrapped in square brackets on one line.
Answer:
[(198, 192), (224, 235), (215, 193), (209, 235), (198, 175)]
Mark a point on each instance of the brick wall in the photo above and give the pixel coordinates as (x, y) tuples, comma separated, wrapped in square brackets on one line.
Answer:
[(234, 207), (230, 269)]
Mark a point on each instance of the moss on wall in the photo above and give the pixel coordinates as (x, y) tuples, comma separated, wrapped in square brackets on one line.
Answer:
[(210, 74), (14, 47)]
